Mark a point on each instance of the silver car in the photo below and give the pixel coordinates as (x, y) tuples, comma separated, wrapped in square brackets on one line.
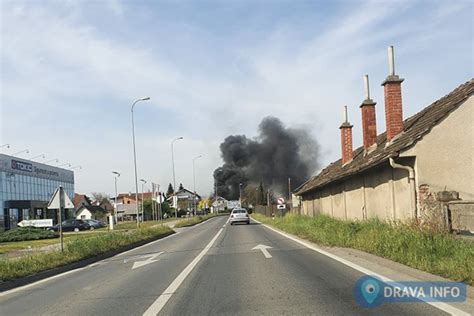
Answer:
[(239, 215)]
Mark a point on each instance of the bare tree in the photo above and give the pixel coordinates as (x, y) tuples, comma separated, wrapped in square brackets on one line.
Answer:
[(100, 197)]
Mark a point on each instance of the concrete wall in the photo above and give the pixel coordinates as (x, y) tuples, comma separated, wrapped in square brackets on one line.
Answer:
[(382, 192), (445, 155)]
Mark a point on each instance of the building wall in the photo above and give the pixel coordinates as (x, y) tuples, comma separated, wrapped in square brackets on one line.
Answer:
[(445, 155), (382, 192), (84, 212), (22, 180)]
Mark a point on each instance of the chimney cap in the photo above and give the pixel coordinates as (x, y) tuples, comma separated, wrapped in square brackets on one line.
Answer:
[(368, 102), (346, 125), (392, 77)]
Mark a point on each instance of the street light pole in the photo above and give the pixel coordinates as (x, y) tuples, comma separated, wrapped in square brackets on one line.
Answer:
[(135, 157), (175, 200), (194, 182), (143, 181), (116, 175)]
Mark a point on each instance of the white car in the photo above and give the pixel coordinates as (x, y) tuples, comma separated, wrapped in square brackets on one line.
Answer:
[(239, 215)]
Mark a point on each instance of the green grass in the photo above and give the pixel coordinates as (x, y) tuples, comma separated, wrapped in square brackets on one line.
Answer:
[(75, 249), (438, 253), (193, 220)]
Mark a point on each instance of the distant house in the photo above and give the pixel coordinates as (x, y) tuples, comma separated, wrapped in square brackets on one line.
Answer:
[(126, 198), (129, 198), (185, 199), (105, 205), (398, 174), (127, 211), (81, 199), (219, 204), (91, 212)]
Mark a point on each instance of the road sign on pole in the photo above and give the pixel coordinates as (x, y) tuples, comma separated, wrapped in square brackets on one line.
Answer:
[(60, 201), (281, 200)]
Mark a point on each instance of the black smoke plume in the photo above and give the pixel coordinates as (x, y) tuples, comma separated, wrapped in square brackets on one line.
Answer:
[(276, 154)]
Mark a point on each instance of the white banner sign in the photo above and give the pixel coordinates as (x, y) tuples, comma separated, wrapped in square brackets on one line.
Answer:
[(36, 223)]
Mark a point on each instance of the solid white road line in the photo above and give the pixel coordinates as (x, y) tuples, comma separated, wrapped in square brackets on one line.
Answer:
[(161, 301), (442, 306)]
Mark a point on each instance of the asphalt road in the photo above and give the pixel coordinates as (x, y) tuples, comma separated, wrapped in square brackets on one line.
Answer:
[(210, 269)]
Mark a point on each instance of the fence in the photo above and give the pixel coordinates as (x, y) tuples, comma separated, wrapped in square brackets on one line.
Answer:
[(270, 210)]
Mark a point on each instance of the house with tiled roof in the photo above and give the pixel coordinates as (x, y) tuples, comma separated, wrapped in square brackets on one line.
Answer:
[(395, 175), (81, 199)]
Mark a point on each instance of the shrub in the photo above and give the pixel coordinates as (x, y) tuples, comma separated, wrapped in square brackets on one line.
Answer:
[(27, 233)]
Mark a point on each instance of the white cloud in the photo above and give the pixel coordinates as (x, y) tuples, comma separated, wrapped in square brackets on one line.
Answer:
[(60, 69)]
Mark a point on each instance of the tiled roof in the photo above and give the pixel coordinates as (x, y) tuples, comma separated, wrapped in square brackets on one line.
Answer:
[(415, 128), (79, 198)]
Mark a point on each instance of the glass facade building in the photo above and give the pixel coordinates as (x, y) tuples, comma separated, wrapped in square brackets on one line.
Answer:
[(26, 188)]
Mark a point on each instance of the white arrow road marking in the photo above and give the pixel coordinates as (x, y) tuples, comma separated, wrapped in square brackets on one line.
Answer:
[(151, 259), (264, 250)]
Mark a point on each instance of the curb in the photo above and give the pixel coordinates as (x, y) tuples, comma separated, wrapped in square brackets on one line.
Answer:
[(11, 284)]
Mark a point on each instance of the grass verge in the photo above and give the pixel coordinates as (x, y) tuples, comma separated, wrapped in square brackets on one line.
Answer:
[(146, 224), (75, 250), (193, 220), (438, 253)]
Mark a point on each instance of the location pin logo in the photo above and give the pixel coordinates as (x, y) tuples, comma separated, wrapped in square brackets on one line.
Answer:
[(370, 289)]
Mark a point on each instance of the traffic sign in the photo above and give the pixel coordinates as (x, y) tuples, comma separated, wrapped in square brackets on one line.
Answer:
[(281, 206), (55, 202), (281, 201)]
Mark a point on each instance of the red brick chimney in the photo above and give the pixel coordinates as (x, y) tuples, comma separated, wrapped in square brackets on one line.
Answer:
[(369, 125), (346, 139), (393, 99)]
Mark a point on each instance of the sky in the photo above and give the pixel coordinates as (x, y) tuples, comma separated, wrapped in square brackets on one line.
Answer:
[(70, 71)]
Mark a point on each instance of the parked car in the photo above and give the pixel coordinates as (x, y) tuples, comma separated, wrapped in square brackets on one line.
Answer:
[(239, 215), (94, 224), (71, 225)]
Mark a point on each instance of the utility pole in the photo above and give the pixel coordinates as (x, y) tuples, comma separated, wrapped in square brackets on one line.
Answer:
[(143, 209), (194, 184), (160, 208), (175, 198), (290, 202), (215, 196), (240, 194), (116, 175), (153, 201)]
